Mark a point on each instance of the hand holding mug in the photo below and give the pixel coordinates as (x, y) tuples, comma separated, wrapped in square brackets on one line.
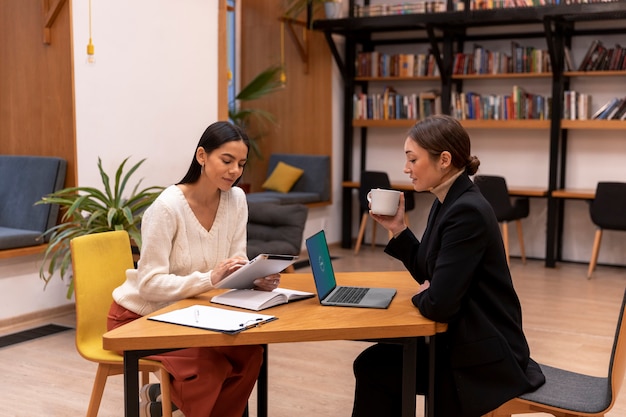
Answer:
[(384, 202)]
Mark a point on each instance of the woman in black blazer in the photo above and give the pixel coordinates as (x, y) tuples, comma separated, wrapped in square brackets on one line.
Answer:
[(483, 359)]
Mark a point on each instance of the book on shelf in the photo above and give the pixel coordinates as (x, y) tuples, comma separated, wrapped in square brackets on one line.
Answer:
[(568, 64), (590, 55), (259, 300), (429, 103), (606, 108), (616, 58), (620, 114)]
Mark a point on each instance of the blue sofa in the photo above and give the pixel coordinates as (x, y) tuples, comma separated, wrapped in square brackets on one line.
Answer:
[(24, 180), (312, 187)]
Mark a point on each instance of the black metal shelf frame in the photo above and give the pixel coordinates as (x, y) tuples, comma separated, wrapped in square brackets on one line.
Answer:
[(446, 33)]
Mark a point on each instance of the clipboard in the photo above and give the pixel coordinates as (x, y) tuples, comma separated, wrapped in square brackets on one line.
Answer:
[(213, 318), (261, 266)]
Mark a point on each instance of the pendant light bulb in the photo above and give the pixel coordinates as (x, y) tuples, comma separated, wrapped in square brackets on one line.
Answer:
[(91, 58)]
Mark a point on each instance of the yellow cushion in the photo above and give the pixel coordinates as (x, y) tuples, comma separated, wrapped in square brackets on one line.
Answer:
[(283, 178)]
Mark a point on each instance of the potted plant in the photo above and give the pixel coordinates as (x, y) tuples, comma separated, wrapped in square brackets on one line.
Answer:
[(89, 210)]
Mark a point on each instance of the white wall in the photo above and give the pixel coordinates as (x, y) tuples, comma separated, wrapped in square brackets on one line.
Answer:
[(153, 88)]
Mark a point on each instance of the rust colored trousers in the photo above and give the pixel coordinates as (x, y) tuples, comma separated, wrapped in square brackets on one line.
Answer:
[(206, 381)]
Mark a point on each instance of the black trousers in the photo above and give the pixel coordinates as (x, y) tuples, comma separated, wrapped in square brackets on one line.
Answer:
[(378, 373)]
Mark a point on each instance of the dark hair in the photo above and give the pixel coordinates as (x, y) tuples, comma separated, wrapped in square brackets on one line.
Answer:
[(213, 137), (440, 133)]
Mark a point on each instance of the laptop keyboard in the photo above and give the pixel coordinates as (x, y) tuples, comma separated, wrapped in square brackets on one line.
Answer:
[(350, 295)]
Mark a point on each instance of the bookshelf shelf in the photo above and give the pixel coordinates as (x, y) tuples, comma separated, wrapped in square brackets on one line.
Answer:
[(512, 75), (388, 79), (506, 124), (451, 33), (594, 73), (594, 124), (383, 123)]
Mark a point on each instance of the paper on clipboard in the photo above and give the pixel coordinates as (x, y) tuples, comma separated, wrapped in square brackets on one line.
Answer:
[(213, 318)]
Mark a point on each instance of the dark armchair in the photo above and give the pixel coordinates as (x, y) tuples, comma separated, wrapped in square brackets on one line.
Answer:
[(275, 228)]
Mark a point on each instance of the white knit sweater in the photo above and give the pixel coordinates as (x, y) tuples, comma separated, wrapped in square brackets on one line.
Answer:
[(178, 254)]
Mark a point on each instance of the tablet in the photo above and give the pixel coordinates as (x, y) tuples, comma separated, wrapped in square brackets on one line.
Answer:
[(261, 266)]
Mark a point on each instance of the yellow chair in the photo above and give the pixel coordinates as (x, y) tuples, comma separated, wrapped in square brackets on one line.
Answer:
[(570, 394), (99, 264)]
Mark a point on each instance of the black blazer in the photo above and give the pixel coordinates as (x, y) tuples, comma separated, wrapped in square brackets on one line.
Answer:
[(483, 360)]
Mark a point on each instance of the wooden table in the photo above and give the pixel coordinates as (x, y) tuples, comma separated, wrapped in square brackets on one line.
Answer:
[(301, 321)]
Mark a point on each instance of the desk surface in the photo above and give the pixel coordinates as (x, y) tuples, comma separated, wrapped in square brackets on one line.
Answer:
[(300, 321), (514, 191), (576, 194)]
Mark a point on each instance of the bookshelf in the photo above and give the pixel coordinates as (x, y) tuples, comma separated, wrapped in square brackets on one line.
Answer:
[(458, 30)]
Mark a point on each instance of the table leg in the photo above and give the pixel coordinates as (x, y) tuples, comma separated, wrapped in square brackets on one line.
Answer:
[(131, 378), (261, 393), (409, 364), (131, 383), (429, 403)]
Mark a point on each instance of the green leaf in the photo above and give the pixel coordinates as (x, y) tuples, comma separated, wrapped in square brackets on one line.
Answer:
[(263, 84)]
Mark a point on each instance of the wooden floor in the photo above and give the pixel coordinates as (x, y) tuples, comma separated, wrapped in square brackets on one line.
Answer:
[(569, 322)]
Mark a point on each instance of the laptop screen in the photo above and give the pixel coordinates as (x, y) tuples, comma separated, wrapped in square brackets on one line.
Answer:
[(319, 257)]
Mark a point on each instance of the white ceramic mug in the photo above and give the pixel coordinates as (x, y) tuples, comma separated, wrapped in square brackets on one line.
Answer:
[(384, 202)]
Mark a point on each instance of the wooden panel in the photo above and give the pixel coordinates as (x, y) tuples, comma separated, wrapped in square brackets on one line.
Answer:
[(30, 250), (36, 80), (303, 108)]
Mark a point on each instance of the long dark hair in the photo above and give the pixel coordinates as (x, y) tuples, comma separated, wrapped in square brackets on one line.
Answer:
[(213, 137), (441, 133)]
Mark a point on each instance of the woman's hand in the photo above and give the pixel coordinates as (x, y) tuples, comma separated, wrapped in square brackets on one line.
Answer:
[(395, 224), (424, 286), (268, 283), (227, 267)]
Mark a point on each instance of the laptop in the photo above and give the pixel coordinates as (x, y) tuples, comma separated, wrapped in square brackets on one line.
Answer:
[(327, 290)]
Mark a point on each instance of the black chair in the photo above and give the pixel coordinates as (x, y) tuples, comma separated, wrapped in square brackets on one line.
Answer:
[(370, 180), (571, 394), (495, 190), (608, 212)]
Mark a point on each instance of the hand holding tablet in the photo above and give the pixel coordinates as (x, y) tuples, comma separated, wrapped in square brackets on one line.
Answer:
[(261, 266)]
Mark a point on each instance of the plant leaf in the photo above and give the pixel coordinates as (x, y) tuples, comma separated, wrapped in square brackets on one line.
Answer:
[(264, 83)]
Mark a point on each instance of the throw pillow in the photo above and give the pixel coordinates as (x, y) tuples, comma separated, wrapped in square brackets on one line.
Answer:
[(283, 178)]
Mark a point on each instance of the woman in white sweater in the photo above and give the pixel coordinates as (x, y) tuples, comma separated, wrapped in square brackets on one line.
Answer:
[(193, 236)]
